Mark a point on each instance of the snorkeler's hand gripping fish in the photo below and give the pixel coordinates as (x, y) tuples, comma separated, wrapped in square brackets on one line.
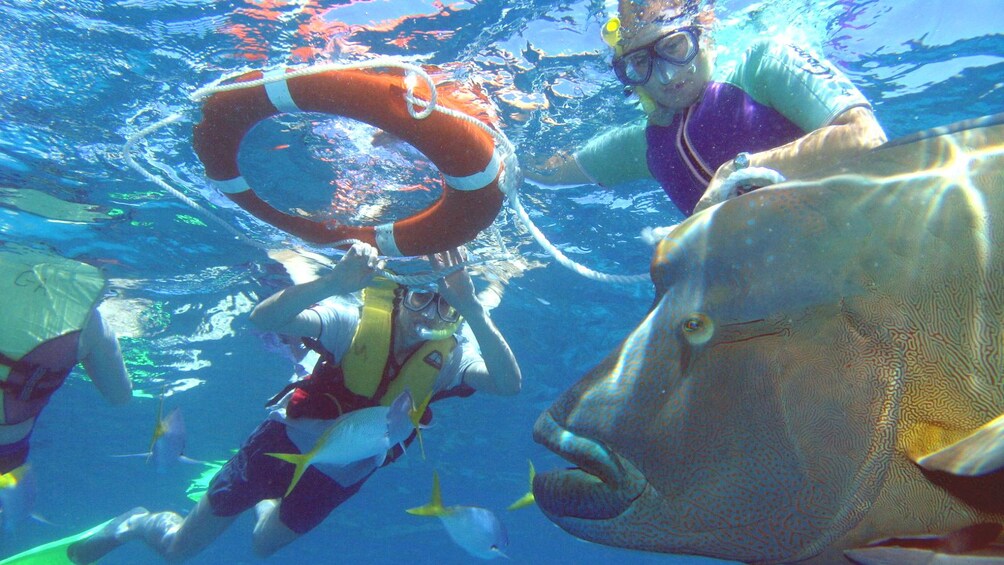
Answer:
[(477, 530), (368, 433)]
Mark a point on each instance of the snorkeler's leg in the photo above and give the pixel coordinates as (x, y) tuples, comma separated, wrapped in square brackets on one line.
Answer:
[(270, 534), (115, 533), (170, 535), (178, 541), (281, 521)]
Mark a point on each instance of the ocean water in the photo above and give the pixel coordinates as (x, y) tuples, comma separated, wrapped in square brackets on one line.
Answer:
[(79, 78)]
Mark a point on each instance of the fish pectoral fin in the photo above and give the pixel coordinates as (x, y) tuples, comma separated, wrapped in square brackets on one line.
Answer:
[(979, 453), (146, 454), (972, 545)]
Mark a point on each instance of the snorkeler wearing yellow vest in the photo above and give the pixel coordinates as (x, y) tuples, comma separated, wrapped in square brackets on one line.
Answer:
[(432, 344), (51, 323)]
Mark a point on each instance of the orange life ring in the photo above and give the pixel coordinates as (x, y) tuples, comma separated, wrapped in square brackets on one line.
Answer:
[(464, 153)]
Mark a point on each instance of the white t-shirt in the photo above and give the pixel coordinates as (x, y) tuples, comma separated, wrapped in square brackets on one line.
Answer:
[(338, 326)]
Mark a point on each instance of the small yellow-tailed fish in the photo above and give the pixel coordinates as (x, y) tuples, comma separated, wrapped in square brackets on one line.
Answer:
[(167, 446), (477, 530), (368, 433)]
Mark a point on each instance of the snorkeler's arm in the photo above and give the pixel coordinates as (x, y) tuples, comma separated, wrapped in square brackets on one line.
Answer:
[(609, 159), (286, 311), (101, 356), (499, 373), (848, 136), (558, 169), (814, 95)]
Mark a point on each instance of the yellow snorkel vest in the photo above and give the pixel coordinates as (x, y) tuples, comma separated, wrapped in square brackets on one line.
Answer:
[(365, 362), (45, 296), (47, 300)]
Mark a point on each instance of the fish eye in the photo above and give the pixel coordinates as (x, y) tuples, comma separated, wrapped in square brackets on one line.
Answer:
[(697, 328)]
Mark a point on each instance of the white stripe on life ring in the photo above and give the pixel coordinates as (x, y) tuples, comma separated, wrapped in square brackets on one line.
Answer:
[(384, 236), (232, 186), (278, 92), (480, 180)]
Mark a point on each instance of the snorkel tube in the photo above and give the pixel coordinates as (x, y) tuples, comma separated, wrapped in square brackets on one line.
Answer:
[(433, 334), (611, 34)]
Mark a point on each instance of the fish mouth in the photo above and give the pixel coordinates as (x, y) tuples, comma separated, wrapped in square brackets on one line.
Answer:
[(601, 486)]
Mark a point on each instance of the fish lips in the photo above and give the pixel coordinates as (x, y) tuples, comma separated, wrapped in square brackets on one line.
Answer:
[(603, 486)]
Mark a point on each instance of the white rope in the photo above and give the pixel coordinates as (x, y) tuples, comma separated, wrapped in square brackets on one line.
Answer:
[(562, 259), (422, 279), (127, 155)]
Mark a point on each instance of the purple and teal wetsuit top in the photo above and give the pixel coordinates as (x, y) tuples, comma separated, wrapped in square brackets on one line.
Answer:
[(776, 94)]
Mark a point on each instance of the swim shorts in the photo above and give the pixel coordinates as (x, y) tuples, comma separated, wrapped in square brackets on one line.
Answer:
[(252, 476), (13, 455)]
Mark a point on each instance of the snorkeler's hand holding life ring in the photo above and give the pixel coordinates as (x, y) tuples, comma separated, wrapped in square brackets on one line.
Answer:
[(464, 153)]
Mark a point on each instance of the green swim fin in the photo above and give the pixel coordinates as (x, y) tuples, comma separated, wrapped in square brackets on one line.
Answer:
[(52, 553)]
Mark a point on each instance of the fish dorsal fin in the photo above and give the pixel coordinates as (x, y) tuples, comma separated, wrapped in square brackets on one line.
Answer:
[(160, 426), (435, 506), (979, 453)]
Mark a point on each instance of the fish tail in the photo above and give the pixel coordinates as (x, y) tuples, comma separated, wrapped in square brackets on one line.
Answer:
[(435, 506), (301, 462), (12, 478), (527, 499)]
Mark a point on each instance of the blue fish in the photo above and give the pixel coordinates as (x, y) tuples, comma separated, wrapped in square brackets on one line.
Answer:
[(167, 446), (477, 530), (359, 435)]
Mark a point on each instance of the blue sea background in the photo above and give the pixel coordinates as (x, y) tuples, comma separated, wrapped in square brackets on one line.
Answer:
[(78, 77)]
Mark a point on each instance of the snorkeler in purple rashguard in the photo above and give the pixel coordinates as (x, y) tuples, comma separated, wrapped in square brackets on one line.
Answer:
[(780, 107)]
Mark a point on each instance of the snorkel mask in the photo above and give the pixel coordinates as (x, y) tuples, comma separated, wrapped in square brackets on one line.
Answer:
[(611, 34), (668, 32), (445, 320)]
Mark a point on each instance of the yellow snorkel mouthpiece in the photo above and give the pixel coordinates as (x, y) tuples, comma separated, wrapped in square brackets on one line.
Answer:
[(611, 34)]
